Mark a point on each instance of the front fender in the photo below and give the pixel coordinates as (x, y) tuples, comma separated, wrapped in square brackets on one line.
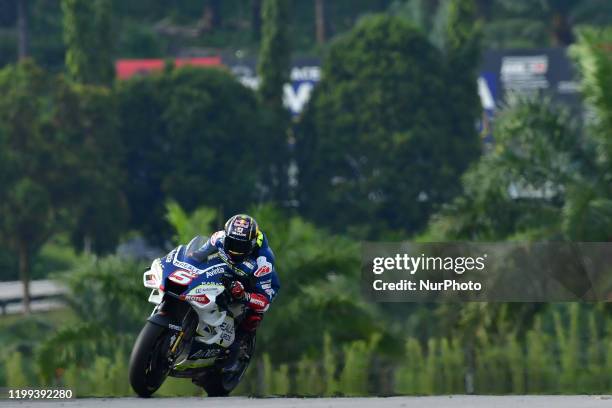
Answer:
[(164, 320), (171, 313)]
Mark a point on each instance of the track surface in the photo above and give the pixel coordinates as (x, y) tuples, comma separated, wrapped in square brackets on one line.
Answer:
[(392, 402)]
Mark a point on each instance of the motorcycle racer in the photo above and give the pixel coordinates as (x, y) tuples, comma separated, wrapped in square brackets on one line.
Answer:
[(245, 249)]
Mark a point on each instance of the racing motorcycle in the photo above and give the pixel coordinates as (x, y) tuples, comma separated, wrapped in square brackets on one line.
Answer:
[(192, 326)]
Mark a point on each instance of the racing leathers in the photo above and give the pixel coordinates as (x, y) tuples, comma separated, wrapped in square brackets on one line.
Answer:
[(256, 281)]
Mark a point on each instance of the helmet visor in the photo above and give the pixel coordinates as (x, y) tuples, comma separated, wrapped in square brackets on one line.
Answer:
[(237, 248)]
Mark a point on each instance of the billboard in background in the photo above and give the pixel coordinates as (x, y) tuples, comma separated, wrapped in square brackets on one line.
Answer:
[(504, 75), (522, 72), (509, 74), (127, 68), (305, 74)]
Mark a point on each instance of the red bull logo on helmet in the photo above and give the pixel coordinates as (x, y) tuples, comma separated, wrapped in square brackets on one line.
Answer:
[(241, 222)]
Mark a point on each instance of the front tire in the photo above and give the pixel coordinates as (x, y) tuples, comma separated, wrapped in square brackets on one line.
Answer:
[(149, 365)]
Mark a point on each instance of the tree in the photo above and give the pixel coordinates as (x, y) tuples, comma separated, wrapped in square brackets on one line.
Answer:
[(22, 26), (594, 60), (462, 43), (528, 24), (186, 226), (274, 64), (273, 69), (26, 205), (55, 167), (88, 40), (588, 212), (86, 115), (30, 164), (193, 135), (427, 15), (320, 20), (462, 46), (519, 187), (256, 19), (544, 178), (378, 140)]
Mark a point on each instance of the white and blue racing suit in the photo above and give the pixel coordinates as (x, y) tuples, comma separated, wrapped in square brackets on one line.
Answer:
[(256, 272)]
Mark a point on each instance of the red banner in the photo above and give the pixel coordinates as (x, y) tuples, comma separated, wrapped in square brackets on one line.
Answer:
[(127, 68)]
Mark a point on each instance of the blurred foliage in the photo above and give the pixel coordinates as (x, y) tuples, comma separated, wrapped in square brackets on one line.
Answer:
[(353, 379), (149, 28), (84, 355), (521, 185), (274, 64), (527, 24), (57, 141), (563, 350), (545, 179), (573, 359), (15, 377), (28, 166), (594, 61), (187, 226), (57, 254), (570, 359), (104, 288), (513, 23), (180, 150), (588, 211), (320, 288), (430, 17), (87, 27), (388, 147), (109, 301), (22, 335), (190, 134), (86, 116), (273, 68)]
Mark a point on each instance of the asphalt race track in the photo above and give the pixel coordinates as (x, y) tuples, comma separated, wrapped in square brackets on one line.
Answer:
[(391, 402)]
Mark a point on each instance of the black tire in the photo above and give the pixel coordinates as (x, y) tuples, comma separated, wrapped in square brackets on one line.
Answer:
[(148, 362), (214, 385), (219, 384)]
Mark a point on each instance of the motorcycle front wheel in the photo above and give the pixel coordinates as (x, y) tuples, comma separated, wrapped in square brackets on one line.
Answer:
[(149, 365)]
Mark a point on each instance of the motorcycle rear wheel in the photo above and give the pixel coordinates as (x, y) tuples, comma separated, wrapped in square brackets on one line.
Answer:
[(149, 366), (216, 383)]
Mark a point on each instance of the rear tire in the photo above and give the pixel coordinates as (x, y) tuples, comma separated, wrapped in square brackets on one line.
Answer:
[(216, 383), (148, 362)]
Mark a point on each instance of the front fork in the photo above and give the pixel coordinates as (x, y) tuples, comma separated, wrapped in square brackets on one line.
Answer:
[(176, 343), (179, 317)]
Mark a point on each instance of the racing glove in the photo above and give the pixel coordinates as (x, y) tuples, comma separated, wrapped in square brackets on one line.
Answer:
[(238, 292), (255, 301)]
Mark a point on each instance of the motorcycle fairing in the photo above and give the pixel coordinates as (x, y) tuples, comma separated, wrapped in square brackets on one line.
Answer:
[(202, 285)]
